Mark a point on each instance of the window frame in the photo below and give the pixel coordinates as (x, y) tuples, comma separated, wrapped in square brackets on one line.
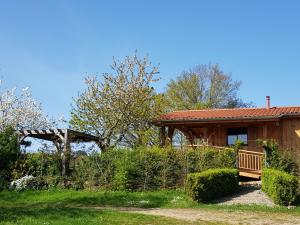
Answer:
[(236, 131)]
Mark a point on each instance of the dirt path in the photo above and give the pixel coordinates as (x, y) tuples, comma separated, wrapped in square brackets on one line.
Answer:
[(221, 216), (217, 216)]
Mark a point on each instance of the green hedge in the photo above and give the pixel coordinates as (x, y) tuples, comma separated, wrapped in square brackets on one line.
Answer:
[(212, 183), (280, 186), (139, 169)]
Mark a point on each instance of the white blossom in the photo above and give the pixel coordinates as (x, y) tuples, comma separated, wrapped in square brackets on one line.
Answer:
[(21, 111)]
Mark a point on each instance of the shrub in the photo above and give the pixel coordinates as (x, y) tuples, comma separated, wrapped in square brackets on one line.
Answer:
[(280, 186), (204, 158), (9, 152), (143, 168), (28, 183), (276, 159), (212, 183), (139, 169), (171, 168)]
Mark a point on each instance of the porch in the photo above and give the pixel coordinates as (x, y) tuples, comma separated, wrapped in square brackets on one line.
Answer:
[(250, 158), (249, 163)]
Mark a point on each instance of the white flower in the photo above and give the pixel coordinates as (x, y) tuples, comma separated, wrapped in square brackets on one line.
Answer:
[(21, 184)]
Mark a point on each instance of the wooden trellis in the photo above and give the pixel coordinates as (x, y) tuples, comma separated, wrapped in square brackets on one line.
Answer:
[(62, 139)]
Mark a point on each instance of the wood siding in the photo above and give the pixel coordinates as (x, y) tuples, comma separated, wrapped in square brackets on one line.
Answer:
[(286, 132), (291, 135)]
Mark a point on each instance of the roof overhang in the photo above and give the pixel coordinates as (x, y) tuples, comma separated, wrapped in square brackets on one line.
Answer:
[(200, 121)]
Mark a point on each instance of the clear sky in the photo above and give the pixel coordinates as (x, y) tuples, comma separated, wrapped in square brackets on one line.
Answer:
[(51, 45)]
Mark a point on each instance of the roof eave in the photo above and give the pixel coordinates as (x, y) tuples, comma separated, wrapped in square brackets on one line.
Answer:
[(215, 120)]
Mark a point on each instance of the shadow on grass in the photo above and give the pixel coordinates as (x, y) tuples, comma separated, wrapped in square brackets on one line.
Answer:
[(114, 199), (119, 200), (15, 214)]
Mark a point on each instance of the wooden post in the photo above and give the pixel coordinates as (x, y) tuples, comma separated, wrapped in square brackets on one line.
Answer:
[(162, 134), (170, 135), (191, 137), (66, 155), (20, 139)]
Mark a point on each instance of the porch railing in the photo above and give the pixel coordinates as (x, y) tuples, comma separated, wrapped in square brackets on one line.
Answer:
[(250, 160)]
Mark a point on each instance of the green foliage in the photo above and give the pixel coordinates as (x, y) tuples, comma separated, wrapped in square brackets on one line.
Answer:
[(281, 160), (280, 186), (39, 163), (9, 152), (205, 86), (171, 168), (144, 169), (212, 183), (154, 168), (139, 169), (200, 159)]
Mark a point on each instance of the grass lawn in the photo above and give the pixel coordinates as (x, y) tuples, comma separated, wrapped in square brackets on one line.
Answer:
[(76, 207)]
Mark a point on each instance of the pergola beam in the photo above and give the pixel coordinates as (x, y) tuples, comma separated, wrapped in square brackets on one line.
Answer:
[(62, 139), (53, 134)]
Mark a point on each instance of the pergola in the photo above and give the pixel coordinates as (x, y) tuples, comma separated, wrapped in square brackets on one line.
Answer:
[(62, 139)]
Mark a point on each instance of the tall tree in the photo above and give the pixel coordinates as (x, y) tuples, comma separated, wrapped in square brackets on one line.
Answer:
[(118, 106), (205, 86)]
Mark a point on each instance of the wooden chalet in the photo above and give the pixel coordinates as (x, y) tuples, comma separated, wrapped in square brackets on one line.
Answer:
[(222, 127)]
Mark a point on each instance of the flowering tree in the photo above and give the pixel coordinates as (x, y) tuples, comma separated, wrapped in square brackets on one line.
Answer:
[(21, 110), (119, 106)]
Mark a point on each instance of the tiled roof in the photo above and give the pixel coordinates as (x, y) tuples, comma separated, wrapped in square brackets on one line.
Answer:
[(230, 114)]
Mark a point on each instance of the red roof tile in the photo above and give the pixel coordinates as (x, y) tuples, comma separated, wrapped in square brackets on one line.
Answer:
[(230, 114)]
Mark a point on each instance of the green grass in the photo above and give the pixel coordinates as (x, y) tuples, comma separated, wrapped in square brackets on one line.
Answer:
[(73, 216), (76, 207)]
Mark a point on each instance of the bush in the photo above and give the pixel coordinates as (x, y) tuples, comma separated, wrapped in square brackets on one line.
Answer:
[(139, 169), (9, 152), (147, 168), (204, 158), (278, 159), (28, 183), (281, 187), (212, 183)]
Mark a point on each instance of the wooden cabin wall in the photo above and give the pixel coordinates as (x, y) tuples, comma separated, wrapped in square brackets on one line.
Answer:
[(291, 135), (253, 135), (217, 136), (286, 133)]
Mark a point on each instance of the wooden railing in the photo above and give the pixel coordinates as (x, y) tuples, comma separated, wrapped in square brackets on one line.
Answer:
[(250, 160), (250, 163)]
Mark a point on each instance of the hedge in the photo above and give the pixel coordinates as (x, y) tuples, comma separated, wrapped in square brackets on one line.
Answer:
[(212, 183), (280, 186), (139, 169)]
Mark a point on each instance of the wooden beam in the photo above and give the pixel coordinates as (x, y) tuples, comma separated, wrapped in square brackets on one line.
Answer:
[(251, 175), (162, 135), (170, 135)]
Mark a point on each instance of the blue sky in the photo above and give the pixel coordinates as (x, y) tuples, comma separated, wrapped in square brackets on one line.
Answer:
[(51, 46)]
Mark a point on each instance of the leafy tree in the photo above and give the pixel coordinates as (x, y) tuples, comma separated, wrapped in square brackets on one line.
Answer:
[(119, 106), (9, 152), (205, 86)]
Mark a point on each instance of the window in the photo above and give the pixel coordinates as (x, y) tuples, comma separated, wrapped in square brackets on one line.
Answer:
[(238, 133)]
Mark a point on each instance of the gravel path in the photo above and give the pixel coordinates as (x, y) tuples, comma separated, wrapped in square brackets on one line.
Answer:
[(248, 194)]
